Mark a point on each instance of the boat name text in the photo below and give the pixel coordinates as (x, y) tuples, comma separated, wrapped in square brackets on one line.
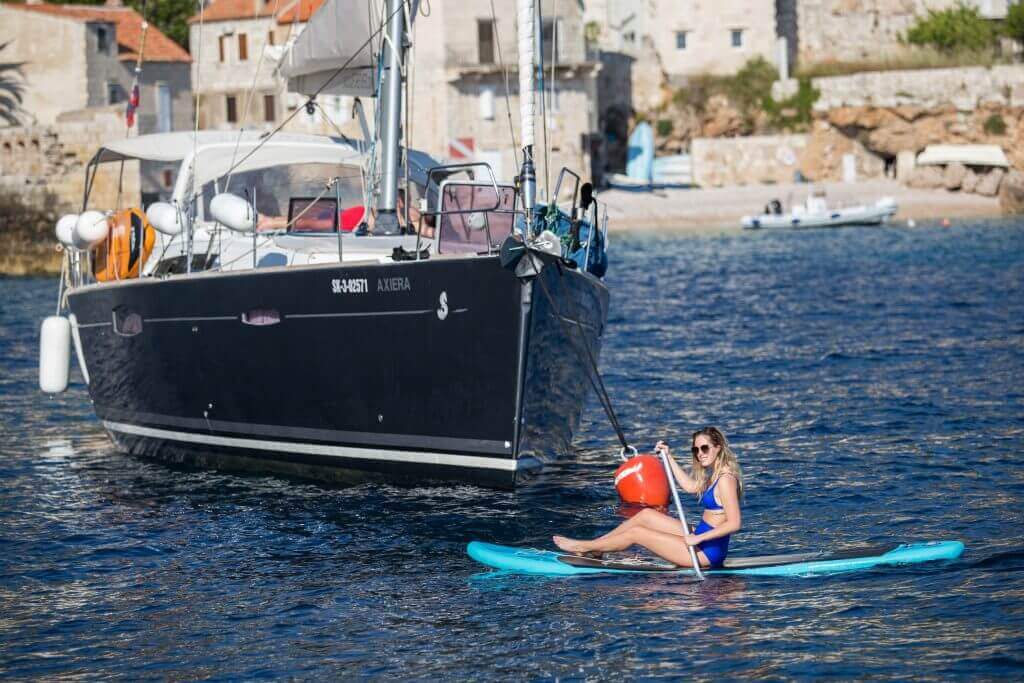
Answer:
[(393, 284)]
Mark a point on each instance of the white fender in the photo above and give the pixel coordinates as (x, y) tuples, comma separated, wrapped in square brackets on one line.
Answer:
[(91, 228), (54, 354), (164, 218), (233, 211), (66, 229)]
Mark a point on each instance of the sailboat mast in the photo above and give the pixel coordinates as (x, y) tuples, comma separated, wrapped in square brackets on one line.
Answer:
[(391, 128), (527, 174)]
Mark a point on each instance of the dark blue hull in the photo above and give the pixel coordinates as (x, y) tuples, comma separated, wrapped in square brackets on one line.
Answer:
[(447, 369)]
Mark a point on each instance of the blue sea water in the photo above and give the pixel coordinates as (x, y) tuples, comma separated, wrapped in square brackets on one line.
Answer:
[(869, 379)]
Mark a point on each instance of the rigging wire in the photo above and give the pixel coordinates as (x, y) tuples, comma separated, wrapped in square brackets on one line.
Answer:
[(508, 99), (593, 374), (250, 96), (277, 129)]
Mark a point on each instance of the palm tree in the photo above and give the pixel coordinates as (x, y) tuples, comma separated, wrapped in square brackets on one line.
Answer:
[(12, 88)]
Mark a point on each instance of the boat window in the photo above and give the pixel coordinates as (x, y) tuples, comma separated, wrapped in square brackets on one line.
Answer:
[(275, 186), (127, 323), (309, 214), (261, 316), (464, 230)]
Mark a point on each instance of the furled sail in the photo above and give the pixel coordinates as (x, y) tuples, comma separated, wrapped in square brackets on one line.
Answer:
[(340, 34), (527, 39)]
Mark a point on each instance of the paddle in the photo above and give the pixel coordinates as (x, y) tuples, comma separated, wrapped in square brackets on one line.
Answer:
[(663, 454)]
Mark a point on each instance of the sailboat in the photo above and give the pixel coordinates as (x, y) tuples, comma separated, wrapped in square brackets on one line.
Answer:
[(337, 309)]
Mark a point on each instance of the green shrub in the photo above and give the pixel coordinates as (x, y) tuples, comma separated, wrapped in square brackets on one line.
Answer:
[(751, 85), (1013, 25), (994, 125), (750, 91), (664, 128), (952, 30), (793, 113)]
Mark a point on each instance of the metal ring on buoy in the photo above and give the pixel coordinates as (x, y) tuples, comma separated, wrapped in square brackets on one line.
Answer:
[(622, 452)]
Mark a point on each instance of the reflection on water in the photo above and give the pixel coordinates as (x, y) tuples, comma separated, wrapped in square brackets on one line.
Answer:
[(870, 380)]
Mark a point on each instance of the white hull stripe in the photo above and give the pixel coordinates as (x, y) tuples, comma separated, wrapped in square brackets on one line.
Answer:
[(419, 458)]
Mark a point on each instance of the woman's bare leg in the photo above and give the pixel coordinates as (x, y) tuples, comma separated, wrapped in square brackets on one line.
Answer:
[(648, 518), (665, 545)]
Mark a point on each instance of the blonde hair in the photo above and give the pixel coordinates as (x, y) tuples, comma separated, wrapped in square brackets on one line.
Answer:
[(725, 463)]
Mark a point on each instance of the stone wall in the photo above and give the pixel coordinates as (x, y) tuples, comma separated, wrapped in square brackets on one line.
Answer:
[(893, 115), (853, 30), (966, 88), (719, 162), (41, 161)]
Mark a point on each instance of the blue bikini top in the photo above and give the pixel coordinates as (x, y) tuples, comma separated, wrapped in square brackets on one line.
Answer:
[(708, 499)]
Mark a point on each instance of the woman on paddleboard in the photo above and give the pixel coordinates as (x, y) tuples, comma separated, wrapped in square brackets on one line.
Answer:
[(718, 482)]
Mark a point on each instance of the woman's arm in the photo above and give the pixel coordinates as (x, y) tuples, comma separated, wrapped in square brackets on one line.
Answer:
[(688, 483), (728, 492)]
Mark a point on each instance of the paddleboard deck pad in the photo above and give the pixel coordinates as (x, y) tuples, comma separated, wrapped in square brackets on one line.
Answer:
[(550, 563)]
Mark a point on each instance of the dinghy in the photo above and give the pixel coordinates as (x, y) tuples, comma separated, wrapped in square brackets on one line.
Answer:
[(815, 213)]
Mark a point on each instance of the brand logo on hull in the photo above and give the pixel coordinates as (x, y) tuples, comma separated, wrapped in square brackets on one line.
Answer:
[(442, 312)]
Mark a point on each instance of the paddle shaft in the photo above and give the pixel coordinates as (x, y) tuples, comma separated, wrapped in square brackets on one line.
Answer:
[(682, 514)]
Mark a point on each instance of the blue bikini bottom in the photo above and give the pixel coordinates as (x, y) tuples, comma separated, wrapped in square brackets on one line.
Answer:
[(715, 549)]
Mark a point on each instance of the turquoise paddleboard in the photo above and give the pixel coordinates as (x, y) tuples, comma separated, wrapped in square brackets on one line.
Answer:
[(549, 563)]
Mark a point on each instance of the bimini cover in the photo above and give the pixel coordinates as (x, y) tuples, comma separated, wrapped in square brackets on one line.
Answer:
[(342, 33), (176, 147), (216, 160)]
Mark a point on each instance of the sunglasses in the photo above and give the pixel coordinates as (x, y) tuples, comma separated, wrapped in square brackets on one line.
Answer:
[(705, 449)]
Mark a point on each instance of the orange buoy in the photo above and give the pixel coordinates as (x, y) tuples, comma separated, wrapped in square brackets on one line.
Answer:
[(641, 480), (126, 248)]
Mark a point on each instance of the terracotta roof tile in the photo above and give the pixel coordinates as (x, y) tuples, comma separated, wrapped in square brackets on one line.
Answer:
[(221, 10), (128, 26), (299, 10)]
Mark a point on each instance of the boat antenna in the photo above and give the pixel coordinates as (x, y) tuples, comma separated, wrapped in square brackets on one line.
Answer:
[(527, 173)]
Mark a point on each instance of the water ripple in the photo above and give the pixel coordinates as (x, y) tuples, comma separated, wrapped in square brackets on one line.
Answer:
[(870, 380)]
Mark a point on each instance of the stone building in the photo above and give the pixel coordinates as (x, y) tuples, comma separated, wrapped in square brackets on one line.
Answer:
[(456, 78), (687, 38), (458, 105), (236, 46), (75, 58), (853, 30)]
